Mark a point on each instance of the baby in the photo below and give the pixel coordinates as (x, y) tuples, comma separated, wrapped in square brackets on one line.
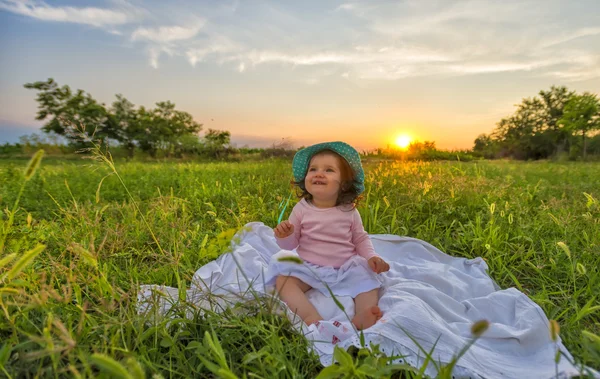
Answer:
[(327, 232)]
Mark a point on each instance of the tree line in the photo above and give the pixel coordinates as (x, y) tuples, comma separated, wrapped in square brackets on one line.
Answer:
[(78, 117), (556, 123)]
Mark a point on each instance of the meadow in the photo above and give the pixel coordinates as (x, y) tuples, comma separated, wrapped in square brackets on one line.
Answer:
[(71, 309)]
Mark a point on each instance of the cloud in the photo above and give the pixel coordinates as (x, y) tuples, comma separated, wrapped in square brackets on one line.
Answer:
[(492, 67), (365, 62), (219, 47), (346, 7), (358, 55), (166, 34), (567, 37), (172, 40), (88, 15), (579, 67), (154, 52)]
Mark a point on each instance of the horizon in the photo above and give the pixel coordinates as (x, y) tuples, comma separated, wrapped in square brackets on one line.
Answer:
[(364, 73)]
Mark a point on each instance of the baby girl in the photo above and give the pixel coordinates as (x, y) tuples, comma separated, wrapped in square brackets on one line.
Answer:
[(327, 232)]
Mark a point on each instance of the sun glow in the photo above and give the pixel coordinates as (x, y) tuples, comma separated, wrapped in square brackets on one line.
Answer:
[(403, 141)]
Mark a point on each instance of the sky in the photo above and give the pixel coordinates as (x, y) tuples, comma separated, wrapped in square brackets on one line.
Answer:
[(303, 72)]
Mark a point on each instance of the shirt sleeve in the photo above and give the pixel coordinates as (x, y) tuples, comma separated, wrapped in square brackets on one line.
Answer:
[(291, 242), (360, 238)]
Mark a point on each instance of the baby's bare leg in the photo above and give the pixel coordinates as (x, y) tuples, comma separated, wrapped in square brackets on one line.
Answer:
[(366, 310), (292, 292)]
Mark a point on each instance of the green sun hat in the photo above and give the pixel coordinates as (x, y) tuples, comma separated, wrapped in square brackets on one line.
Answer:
[(302, 159)]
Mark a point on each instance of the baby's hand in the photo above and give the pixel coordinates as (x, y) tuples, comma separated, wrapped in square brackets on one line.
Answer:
[(284, 229), (378, 265)]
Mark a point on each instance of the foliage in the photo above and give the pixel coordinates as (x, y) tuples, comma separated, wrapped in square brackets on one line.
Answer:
[(582, 114), (51, 143), (542, 127), (9, 149), (485, 147), (282, 148), (127, 122), (365, 363), (66, 108), (216, 143), (80, 118), (422, 151)]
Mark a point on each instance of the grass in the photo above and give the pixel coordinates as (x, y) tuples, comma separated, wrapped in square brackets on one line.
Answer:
[(71, 311)]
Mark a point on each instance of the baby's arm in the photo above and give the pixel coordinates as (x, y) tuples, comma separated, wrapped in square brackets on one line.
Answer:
[(364, 247), (360, 238), (291, 242)]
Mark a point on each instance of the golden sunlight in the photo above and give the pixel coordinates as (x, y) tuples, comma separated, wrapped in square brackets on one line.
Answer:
[(403, 141)]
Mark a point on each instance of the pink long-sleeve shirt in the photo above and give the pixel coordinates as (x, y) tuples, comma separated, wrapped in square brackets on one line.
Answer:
[(327, 236)]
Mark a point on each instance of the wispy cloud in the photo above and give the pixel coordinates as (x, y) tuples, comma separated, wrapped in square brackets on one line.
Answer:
[(357, 55), (493, 67), (154, 53), (570, 36), (367, 62), (579, 67), (82, 15), (217, 47), (166, 34), (169, 39)]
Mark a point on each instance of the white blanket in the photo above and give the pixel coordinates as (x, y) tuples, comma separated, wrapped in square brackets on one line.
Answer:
[(430, 295)]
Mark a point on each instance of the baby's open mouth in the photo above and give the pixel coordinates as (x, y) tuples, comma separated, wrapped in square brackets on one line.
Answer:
[(319, 182)]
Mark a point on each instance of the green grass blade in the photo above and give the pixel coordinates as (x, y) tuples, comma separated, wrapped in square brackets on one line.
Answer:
[(23, 262), (110, 366)]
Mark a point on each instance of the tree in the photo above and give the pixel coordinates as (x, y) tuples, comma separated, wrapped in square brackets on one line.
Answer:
[(593, 146), (216, 142), (429, 145), (533, 130), (554, 102), (167, 125), (125, 120), (485, 146), (188, 144), (582, 114), (79, 117), (516, 134), (72, 114), (162, 128)]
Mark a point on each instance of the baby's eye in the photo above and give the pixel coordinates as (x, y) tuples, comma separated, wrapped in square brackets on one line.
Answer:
[(312, 169), (330, 170)]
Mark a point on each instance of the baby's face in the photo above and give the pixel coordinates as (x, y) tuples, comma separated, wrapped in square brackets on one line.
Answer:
[(323, 177)]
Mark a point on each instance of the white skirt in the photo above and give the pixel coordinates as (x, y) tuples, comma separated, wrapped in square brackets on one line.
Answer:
[(351, 279)]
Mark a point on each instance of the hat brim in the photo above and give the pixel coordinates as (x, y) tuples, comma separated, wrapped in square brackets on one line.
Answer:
[(303, 157)]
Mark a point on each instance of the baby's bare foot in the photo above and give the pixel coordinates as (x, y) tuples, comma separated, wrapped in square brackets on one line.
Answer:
[(312, 320), (366, 318)]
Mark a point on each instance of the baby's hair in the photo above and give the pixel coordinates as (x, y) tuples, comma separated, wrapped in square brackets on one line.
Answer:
[(348, 192)]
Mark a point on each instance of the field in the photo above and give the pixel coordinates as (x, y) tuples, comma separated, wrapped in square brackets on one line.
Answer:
[(536, 224)]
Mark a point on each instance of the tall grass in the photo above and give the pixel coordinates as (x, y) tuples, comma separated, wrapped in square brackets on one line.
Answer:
[(71, 309)]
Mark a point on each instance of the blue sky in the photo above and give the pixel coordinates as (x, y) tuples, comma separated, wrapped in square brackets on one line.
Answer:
[(307, 71)]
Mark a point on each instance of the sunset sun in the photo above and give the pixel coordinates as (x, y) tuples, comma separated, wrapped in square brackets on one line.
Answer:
[(403, 141)]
